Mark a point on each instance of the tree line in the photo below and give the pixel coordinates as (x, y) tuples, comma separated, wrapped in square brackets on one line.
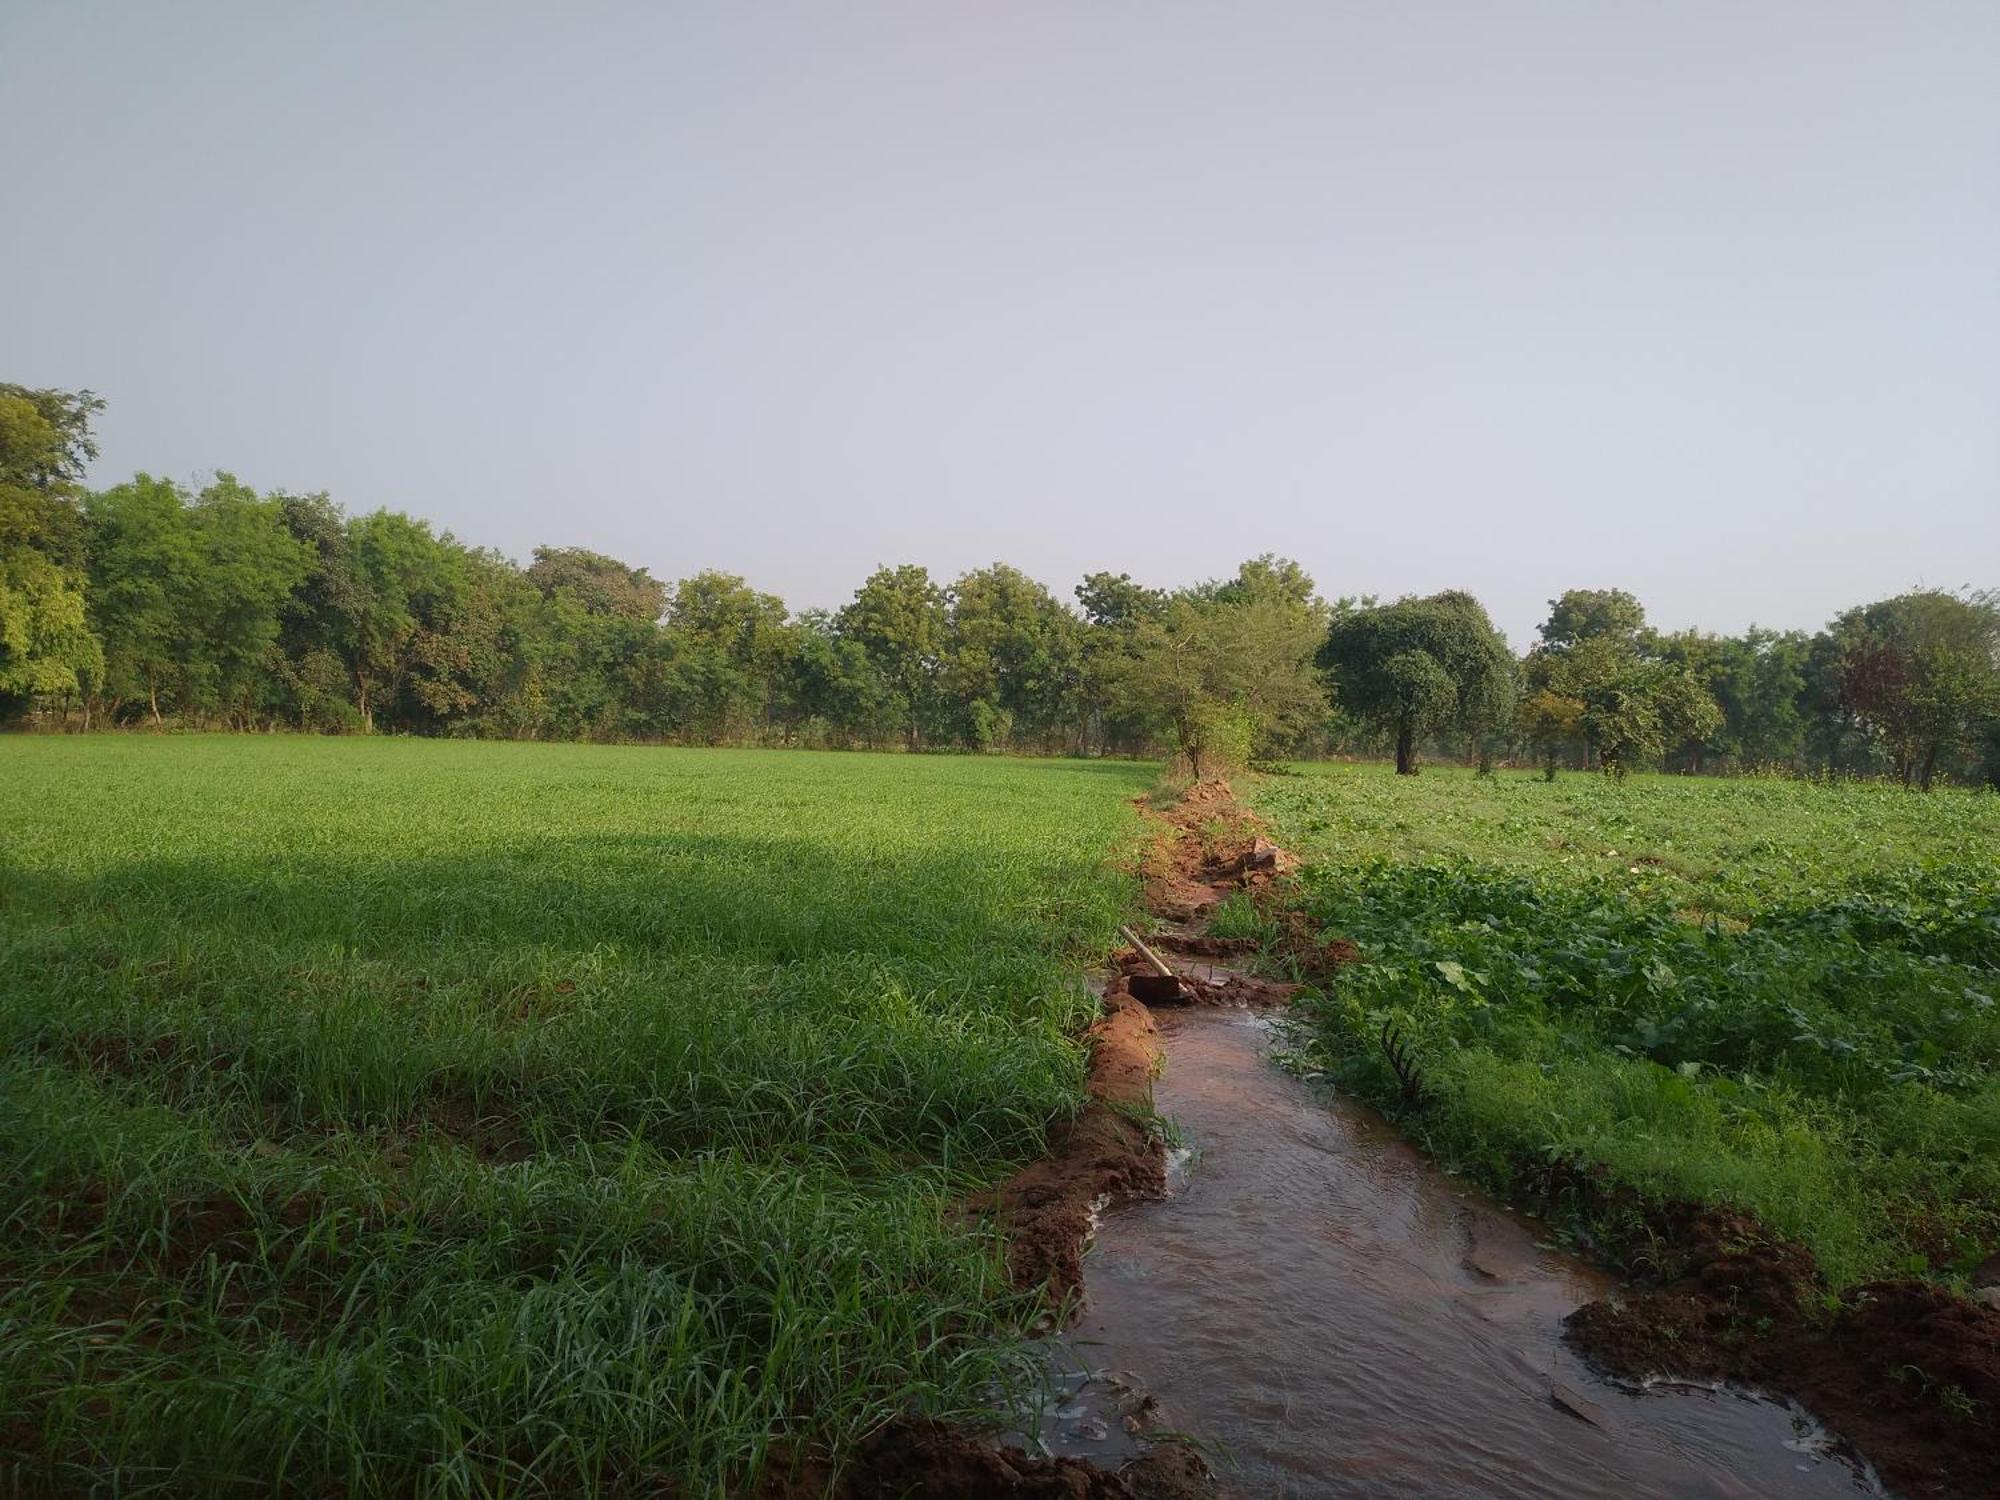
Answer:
[(147, 604)]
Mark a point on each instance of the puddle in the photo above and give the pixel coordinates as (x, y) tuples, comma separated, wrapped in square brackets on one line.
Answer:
[(1329, 1315)]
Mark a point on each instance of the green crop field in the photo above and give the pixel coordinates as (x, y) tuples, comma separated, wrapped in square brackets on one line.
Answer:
[(1773, 994), (478, 1119)]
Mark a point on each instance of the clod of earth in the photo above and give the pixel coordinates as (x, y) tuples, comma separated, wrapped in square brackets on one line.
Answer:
[(923, 1460), (1104, 1155), (1905, 1371)]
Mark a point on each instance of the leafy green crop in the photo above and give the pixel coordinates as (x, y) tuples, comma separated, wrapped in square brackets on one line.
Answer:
[(1777, 995), (474, 1119)]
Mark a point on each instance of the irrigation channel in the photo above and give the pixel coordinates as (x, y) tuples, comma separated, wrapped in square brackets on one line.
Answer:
[(1329, 1315), (1325, 1313)]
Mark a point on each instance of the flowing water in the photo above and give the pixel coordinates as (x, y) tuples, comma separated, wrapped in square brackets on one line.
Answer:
[(1330, 1315)]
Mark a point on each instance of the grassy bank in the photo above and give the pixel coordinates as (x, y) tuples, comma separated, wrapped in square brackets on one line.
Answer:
[(467, 1119), (1780, 996)]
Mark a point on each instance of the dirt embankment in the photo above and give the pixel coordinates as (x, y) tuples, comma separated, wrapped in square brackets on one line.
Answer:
[(1905, 1371), (1205, 847), (1106, 1155), (922, 1460)]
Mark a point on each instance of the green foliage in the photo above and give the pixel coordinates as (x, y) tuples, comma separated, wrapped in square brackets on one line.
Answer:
[(1772, 994), (1222, 670), (1549, 721), (1922, 671), (46, 647), (1593, 614), (602, 585), (1421, 665), (1758, 683), (897, 618), (428, 1118), (1011, 669), (1638, 700), (147, 605)]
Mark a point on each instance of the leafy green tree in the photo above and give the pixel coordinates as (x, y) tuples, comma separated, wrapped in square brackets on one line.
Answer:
[(1712, 661), (472, 658), (1766, 707), (1550, 722), (1112, 601), (1272, 577), (47, 648), (1642, 693), (1756, 682), (602, 585), (727, 643), (406, 580), (1651, 706), (1687, 711), (597, 676), (898, 618), (310, 683), (826, 687), (46, 645), (143, 564), (1421, 665), (1113, 609), (247, 564), (1759, 682), (1218, 675), (1921, 672), (1594, 614), (1011, 667), (601, 668)]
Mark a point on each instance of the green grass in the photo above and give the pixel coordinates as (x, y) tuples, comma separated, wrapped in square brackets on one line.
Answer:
[(1771, 994), (481, 1119)]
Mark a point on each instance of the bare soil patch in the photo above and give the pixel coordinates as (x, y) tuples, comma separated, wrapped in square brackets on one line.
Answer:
[(1105, 1155), (921, 1460), (1905, 1371)]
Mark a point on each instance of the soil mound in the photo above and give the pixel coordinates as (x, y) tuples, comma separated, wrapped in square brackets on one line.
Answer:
[(1198, 983), (922, 1460), (1905, 1371), (1103, 1156)]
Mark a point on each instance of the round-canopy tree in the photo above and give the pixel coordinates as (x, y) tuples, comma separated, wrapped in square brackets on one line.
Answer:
[(1421, 665)]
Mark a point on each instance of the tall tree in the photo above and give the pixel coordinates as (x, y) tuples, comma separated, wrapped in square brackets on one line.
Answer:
[(247, 563), (898, 618), (1922, 672), (1594, 614), (1420, 665), (1011, 665), (826, 685), (602, 585), (1217, 674), (1640, 698), (46, 645), (1113, 609), (726, 643), (1550, 722), (311, 685), (142, 571), (405, 577)]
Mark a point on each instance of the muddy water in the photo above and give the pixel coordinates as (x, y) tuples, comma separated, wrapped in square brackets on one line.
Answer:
[(1331, 1316)]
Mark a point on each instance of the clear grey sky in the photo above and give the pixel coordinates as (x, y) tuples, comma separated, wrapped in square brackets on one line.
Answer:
[(1697, 299)]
